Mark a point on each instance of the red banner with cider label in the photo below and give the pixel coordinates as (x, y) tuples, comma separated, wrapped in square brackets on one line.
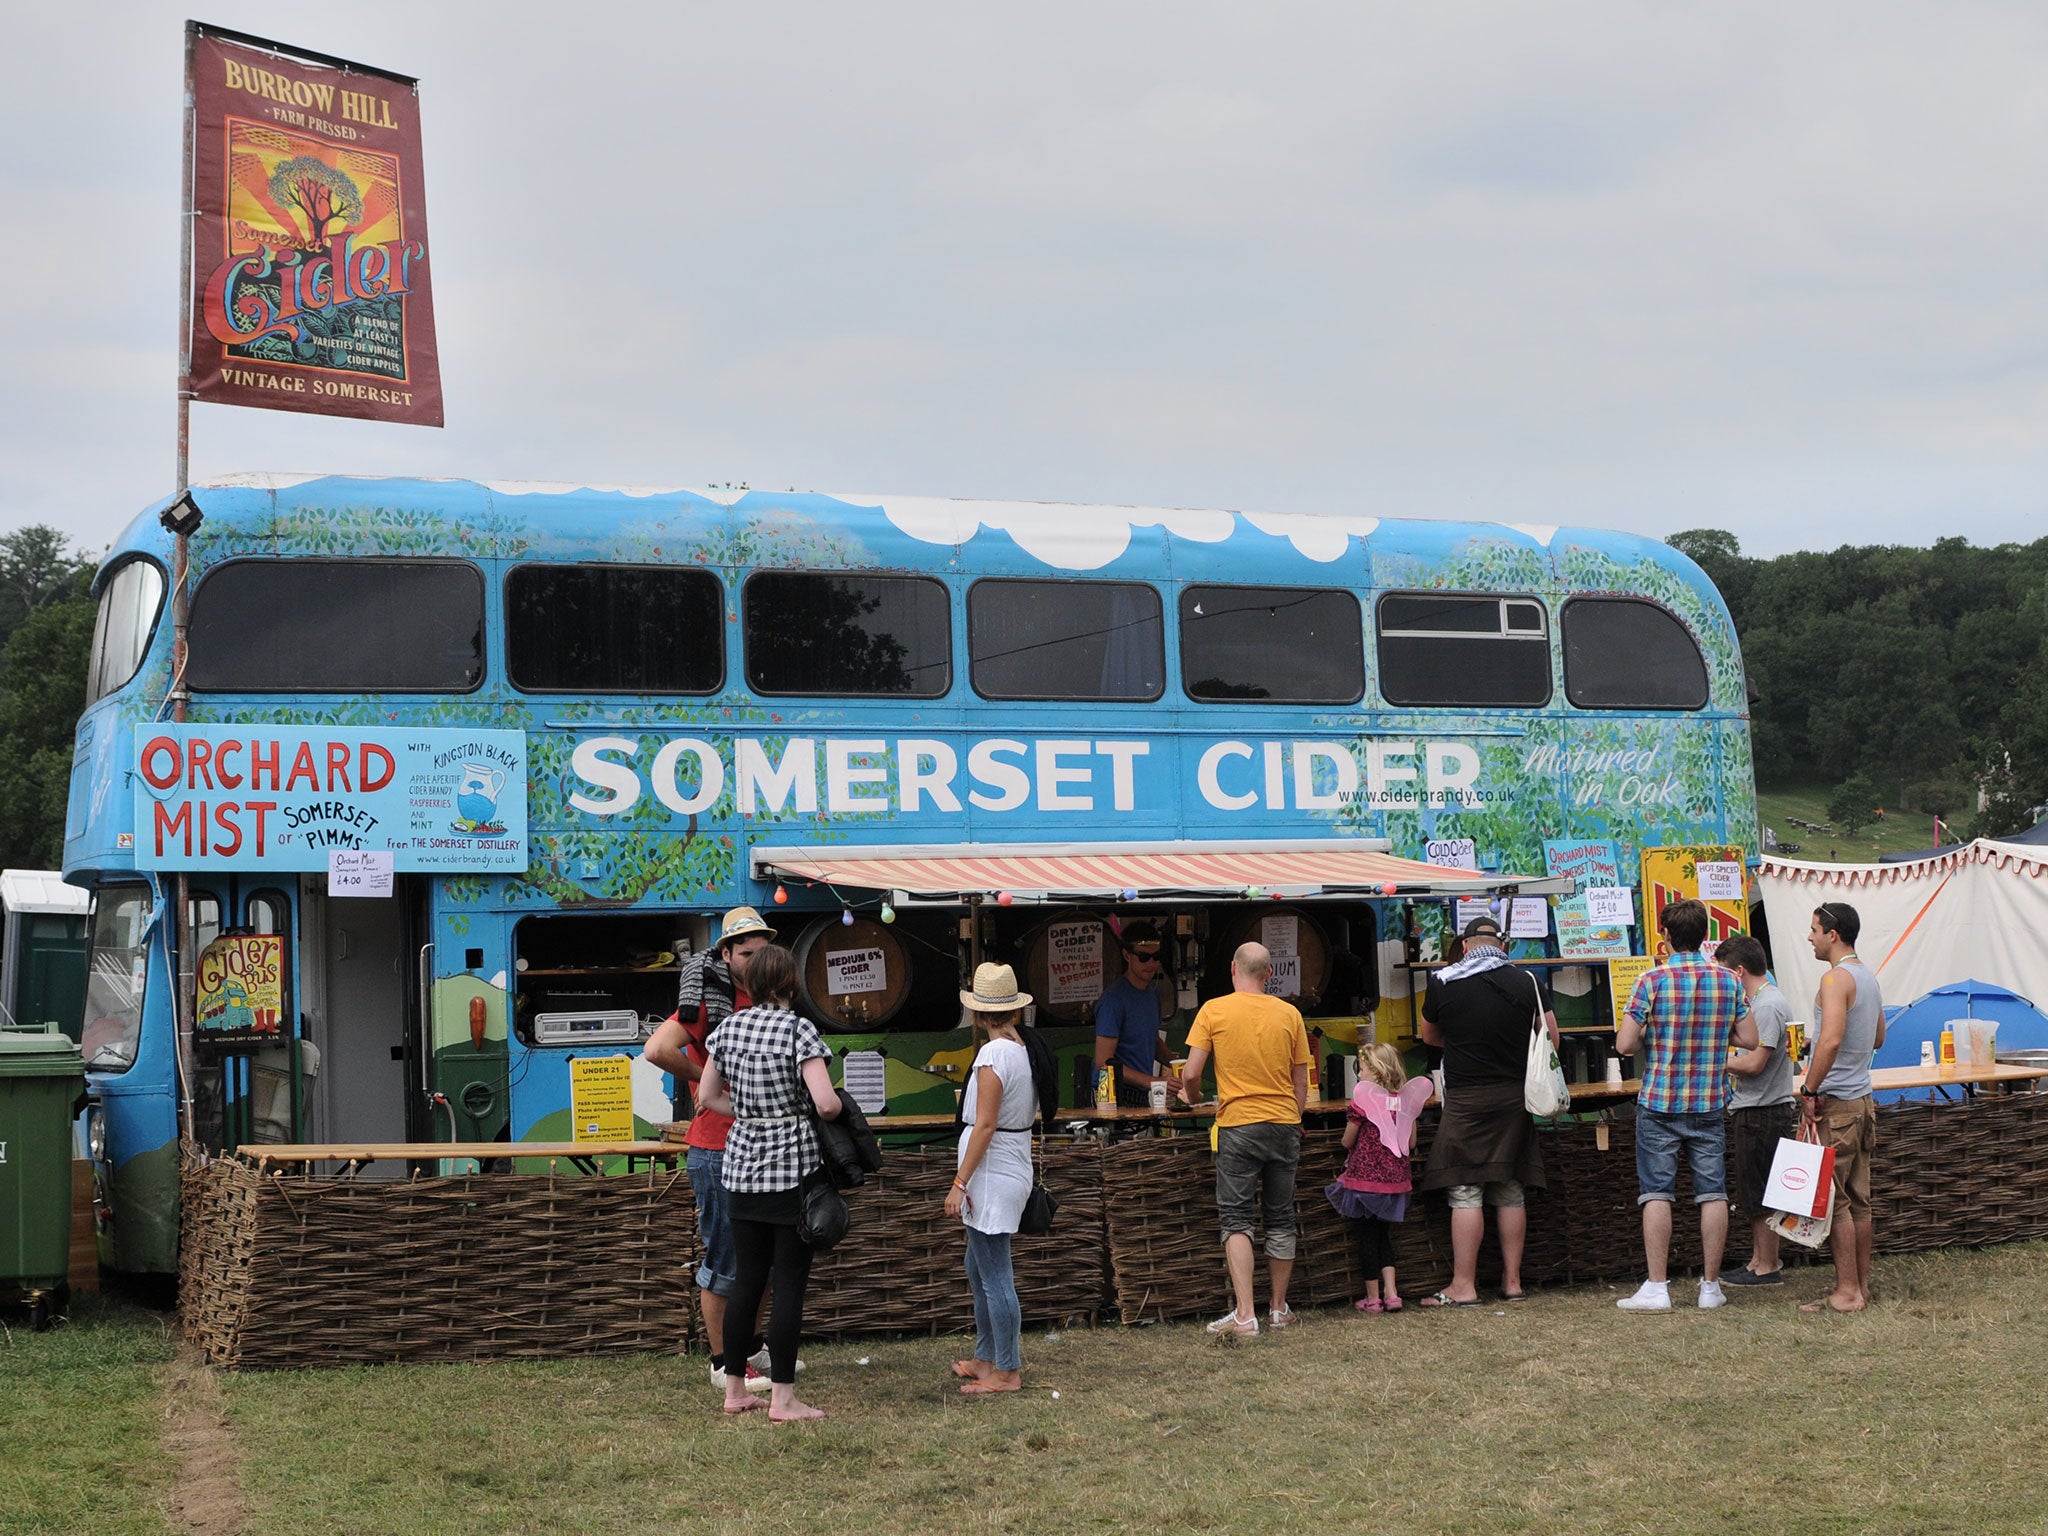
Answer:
[(311, 278)]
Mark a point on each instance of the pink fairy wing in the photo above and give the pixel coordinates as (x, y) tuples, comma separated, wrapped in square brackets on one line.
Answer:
[(1392, 1115)]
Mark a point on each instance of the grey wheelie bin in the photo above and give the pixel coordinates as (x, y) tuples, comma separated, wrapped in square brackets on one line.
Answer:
[(42, 1085)]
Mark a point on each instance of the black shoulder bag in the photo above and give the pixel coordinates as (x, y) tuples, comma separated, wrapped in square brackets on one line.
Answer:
[(824, 1215)]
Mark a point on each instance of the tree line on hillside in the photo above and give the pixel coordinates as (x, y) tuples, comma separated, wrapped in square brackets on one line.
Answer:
[(1908, 677), (46, 620)]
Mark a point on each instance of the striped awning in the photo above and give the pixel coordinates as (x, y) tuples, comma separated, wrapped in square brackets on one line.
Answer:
[(952, 873)]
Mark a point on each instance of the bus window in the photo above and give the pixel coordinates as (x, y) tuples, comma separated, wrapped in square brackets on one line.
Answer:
[(128, 609), (614, 629), (1441, 649), (850, 632), (1625, 653), (338, 626), (117, 975), (265, 912), (1278, 645), (1066, 640)]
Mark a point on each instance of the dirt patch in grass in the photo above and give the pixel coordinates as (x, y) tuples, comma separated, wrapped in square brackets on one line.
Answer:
[(199, 1439)]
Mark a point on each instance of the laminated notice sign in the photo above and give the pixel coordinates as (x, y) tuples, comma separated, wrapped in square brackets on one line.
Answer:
[(1284, 980), (1528, 918), (1281, 934), (1611, 904), (601, 1098), (1073, 962), (848, 971), (1623, 972), (311, 288), (1720, 882), (865, 1077)]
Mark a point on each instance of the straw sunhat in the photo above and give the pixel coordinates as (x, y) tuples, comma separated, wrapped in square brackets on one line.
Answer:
[(995, 990), (739, 923)]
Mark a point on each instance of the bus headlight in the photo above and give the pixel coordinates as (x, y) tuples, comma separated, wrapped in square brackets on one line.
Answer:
[(96, 1134)]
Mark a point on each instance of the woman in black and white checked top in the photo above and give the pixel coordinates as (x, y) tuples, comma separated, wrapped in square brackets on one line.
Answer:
[(765, 1062)]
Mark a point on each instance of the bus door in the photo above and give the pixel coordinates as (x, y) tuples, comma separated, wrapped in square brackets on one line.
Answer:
[(359, 973)]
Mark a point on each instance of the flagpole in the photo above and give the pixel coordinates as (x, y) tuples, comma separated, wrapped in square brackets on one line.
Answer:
[(181, 565)]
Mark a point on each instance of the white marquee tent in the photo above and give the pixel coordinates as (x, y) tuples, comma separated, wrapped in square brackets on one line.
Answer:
[(1980, 911)]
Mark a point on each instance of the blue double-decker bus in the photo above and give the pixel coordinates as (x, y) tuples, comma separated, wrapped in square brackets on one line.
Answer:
[(483, 763)]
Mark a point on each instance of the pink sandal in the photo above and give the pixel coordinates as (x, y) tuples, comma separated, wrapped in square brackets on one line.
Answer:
[(1369, 1304), (1392, 1304)]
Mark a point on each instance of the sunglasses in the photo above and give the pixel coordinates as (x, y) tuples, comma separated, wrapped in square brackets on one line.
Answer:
[(1143, 954)]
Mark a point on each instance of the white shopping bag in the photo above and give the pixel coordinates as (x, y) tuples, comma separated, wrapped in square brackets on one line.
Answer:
[(1802, 1176)]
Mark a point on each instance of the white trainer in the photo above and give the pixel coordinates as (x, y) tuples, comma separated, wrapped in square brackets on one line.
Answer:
[(757, 1381), (759, 1361), (1711, 1295), (1230, 1322), (1281, 1318), (1652, 1296)]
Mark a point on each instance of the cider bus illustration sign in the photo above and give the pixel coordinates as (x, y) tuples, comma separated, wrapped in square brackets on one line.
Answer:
[(241, 990)]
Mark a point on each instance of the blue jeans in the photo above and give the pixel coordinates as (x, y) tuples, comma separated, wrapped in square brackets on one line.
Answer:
[(1658, 1140), (998, 1319), (721, 1266)]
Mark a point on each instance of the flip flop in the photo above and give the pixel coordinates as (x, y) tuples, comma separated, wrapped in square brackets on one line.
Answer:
[(1514, 1295), (1444, 1299), (961, 1369), (983, 1389)]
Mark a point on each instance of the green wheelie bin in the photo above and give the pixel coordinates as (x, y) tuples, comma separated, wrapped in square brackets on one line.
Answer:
[(42, 1087)]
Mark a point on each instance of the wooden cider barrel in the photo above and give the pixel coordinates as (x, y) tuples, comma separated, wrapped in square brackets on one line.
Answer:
[(1312, 947), (1076, 930), (851, 976)]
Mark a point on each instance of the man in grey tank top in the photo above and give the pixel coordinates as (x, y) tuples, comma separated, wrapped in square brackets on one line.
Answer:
[(1850, 1017)]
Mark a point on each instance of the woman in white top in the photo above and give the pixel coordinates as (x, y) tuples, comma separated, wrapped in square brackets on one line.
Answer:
[(993, 1179)]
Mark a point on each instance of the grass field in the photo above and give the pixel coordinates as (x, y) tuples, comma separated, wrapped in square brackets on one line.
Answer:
[(1923, 1415), (1899, 832)]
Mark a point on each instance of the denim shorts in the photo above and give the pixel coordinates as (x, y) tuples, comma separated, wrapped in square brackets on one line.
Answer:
[(1658, 1140), (720, 1269), (1255, 1164)]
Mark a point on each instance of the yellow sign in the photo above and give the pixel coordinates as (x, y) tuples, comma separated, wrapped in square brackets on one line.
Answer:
[(601, 1098), (240, 984), (1622, 972), (1675, 874)]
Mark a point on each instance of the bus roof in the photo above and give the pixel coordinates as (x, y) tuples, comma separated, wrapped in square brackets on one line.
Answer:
[(1013, 536)]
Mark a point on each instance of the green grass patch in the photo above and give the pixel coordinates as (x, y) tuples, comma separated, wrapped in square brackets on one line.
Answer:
[(1899, 832), (1922, 1415), (81, 1410)]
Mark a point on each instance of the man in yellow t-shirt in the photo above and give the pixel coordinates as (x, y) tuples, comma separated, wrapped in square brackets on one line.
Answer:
[(1261, 1051)]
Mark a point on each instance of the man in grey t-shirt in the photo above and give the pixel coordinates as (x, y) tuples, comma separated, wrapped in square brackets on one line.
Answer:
[(1763, 1105)]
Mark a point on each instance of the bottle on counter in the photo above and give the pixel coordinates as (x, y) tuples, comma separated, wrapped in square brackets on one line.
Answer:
[(1105, 1086), (1948, 1046)]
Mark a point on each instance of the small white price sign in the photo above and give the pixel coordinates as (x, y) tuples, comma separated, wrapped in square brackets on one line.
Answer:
[(360, 871), (1720, 882), (1614, 904)]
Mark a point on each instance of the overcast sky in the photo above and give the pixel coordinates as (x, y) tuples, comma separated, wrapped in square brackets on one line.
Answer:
[(1774, 269)]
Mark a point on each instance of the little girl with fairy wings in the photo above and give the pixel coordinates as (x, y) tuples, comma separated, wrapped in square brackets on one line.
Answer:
[(1371, 1194)]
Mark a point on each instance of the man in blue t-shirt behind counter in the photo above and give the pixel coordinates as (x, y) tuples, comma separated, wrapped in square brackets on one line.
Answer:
[(1128, 1015)]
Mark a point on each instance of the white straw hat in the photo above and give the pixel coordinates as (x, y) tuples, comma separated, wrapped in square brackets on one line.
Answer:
[(995, 990)]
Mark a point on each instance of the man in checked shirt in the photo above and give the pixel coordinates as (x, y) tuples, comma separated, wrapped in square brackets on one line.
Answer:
[(1682, 1016)]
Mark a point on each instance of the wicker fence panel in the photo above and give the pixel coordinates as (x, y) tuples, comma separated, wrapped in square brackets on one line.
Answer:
[(302, 1271), (475, 1267), (899, 1269)]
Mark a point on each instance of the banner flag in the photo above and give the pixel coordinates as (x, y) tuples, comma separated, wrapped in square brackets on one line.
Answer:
[(310, 281)]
